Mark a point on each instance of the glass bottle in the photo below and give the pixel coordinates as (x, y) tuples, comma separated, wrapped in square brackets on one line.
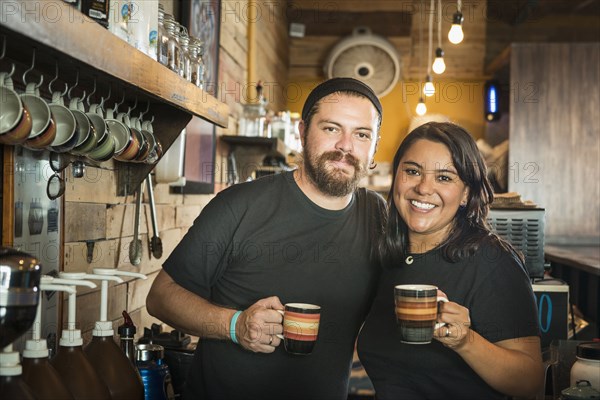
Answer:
[(126, 333)]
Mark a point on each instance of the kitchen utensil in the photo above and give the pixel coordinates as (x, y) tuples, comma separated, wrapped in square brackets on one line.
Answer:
[(135, 249), (155, 243)]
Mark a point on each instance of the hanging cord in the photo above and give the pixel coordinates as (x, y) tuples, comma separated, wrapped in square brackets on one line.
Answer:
[(458, 5), (431, 12), (440, 24)]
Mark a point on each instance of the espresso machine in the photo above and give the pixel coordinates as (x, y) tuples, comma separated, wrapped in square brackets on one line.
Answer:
[(20, 275)]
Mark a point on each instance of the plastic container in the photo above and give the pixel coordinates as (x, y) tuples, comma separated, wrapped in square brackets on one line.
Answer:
[(155, 373), (114, 369), (587, 365), (169, 168), (41, 377), (73, 366)]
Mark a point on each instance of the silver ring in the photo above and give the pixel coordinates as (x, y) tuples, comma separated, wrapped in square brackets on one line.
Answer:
[(447, 331), (270, 339)]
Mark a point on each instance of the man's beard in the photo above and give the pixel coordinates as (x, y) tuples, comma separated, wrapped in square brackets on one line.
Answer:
[(333, 181)]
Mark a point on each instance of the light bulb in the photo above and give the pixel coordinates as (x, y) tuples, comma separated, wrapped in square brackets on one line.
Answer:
[(428, 89), (421, 107), (439, 66), (456, 34)]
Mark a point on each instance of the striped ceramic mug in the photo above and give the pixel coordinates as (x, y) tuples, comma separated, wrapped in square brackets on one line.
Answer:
[(416, 312), (300, 327)]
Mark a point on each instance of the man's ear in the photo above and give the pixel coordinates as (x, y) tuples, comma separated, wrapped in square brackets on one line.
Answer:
[(302, 131)]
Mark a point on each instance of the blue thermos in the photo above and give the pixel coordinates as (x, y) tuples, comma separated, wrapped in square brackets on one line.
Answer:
[(149, 359)]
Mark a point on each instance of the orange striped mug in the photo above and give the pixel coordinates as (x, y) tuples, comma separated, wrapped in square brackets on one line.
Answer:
[(300, 327), (416, 312)]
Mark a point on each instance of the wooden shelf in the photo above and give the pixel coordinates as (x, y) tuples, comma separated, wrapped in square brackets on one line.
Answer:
[(273, 145), (66, 39)]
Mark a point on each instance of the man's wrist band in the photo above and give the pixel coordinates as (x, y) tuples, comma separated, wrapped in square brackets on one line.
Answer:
[(232, 327)]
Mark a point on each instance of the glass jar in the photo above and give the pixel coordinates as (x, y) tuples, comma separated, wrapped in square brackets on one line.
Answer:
[(173, 49), (162, 37), (196, 64), (184, 55)]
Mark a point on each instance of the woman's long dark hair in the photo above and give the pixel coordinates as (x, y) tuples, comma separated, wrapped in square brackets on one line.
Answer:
[(470, 225)]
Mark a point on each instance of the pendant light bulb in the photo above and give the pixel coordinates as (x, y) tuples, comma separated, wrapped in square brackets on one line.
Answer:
[(439, 66), (421, 107), (429, 89), (456, 34)]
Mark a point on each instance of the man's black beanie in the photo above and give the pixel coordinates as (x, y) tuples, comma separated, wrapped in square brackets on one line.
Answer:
[(340, 84)]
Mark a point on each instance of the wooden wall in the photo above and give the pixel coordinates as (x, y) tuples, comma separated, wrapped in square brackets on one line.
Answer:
[(464, 62), (554, 133), (95, 214)]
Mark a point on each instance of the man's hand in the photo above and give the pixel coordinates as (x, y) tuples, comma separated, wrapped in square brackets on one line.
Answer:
[(258, 325)]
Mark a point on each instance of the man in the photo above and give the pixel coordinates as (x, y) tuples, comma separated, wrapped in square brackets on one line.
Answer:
[(303, 236)]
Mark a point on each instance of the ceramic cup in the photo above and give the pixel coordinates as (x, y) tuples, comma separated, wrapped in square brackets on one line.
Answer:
[(66, 125), (104, 150), (43, 130), (87, 137), (126, 145), (416, 312), (15, 118), (144, 150), (155, 148), (300, 327)]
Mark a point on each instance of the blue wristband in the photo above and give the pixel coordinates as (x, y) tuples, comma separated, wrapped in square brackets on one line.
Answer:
[(232, 327)]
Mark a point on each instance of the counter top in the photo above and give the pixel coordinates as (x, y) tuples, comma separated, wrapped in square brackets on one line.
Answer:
[(585, 258)]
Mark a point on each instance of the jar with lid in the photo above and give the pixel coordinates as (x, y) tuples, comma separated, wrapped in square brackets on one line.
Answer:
[(254, 118), (587, 365), (172, 44), (162, 37), (184, 57), (196, 63)]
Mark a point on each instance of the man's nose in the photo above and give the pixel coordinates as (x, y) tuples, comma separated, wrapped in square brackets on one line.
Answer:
[(344, 143)]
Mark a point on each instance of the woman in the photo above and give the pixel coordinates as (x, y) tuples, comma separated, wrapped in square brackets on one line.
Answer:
[(437, 234)]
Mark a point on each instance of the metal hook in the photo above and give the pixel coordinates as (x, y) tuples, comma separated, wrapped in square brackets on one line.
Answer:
[(54, 79), (75, 85), (103, 99), (31, 69), (142, 113), (91, 93), (3, 47), (130, 109), (116, 108)]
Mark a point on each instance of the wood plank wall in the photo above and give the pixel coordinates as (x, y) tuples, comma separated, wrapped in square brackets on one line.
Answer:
[(554, 131), (464, 62), (93, 213)]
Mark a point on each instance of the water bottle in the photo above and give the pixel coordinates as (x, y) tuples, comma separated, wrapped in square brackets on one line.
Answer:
[(155, 373)]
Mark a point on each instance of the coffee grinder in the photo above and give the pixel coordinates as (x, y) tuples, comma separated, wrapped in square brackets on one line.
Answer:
[(20, 275)]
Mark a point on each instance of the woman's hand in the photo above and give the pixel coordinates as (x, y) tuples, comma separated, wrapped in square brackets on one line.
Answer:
[(456, 331)]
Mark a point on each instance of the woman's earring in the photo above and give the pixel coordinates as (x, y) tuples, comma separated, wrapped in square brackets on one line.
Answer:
[(373, 164)]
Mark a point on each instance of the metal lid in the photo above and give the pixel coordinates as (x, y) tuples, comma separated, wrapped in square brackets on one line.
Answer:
[(582, 390), (590, 350), (149, 352)]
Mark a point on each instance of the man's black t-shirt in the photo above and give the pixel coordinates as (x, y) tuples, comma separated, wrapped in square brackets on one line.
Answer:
[(266, 238)]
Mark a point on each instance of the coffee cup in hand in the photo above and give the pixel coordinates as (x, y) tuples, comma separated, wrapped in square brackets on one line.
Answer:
[(416, 312), (300, 327)]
